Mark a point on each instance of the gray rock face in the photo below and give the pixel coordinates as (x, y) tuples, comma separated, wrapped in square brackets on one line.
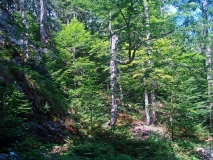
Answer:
[(205, 154), (54, 132), (9, 157), (6, 20), (7, 26)]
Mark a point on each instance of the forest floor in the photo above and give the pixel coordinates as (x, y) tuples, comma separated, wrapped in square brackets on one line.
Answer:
[(143, 131)]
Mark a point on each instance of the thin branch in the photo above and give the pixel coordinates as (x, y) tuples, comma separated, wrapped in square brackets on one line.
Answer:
[(127, 23), (164, 34), (131, 57)]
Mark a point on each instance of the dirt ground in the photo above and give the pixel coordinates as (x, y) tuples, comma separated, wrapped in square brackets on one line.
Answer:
[(143, 131)]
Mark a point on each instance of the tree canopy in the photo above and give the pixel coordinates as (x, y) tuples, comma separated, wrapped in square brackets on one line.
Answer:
[(90, 63)]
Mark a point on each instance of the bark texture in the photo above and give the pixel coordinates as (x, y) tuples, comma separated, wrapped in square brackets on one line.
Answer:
[(153, 99), (42, 30), (207, 51), (24, 21), (147, 107), (113, 81), (146, 97)]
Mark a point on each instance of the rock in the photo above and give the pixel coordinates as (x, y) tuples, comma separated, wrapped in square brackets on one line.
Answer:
[(205, 154), (9, 157), (143, 133), (6, 20), (54, 132), (4, 156), (59, 149)]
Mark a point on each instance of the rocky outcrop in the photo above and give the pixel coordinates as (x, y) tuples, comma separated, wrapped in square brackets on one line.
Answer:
[(11, 156), (54, 132), (6, 21), (205, 154), (7, 26)]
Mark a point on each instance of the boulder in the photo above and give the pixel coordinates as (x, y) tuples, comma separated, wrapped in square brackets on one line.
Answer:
[(54, 132), (205, 154)]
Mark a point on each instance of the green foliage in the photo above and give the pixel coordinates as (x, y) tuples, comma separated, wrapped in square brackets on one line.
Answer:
[(92, 150), (13, 104), (29, 148), (73, 36), (73, 75), (119, 147)]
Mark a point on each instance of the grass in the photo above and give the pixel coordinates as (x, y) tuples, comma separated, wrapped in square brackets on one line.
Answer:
[(118, 147), (103, 144)]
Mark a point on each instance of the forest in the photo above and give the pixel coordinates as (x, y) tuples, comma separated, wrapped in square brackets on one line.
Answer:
[(106, 79)]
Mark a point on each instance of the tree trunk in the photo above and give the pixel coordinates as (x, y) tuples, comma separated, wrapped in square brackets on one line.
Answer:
[(207, 52), (146, 98), (153, 99), (113, 81), (121, 95), (147, 21), (25, 34), (171, 116), (113, 77), (42, 30)]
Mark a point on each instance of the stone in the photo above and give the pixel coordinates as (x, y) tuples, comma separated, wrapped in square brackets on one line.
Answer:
[(50, 131), (205, 154)]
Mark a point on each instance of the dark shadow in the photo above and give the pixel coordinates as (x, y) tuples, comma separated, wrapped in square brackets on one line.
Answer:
[(119, 148)]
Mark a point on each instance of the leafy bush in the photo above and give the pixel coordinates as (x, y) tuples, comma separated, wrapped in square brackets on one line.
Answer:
[(93, 150), (13, 103)]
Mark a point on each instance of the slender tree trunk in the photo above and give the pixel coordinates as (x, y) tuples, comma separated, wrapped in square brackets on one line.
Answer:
[(73, 56), (171, 116), (153, 100), (42, 30), (207, 51), (73, 62), (113, 82), (25, 34), (113, 77), (146, 98), (121, 95), (147, 21)]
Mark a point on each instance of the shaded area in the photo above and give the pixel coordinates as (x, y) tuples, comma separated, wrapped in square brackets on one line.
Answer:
[(119, 148)]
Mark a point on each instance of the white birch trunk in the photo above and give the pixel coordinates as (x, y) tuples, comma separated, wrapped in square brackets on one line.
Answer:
[(207, 52), (146, 97), (113, 77), (171, 116), (153, 99), (113, 81), (42, 30), (25, 34), (121, 95)]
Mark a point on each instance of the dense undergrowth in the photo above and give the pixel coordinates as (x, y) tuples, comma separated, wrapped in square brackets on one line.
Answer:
[(95, 140), (110, 146), (68, 78)]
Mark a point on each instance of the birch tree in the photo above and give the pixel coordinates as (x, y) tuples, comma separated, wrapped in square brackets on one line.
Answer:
[(146, 97), (26, 26), (42, 30), (206, 47), (131, 51), (113, 80)]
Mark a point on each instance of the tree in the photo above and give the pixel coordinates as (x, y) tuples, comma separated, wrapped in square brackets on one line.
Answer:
[(42, 30), (146, 12), (206, 47), (113, 80), (26, 26), (198, 36)]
